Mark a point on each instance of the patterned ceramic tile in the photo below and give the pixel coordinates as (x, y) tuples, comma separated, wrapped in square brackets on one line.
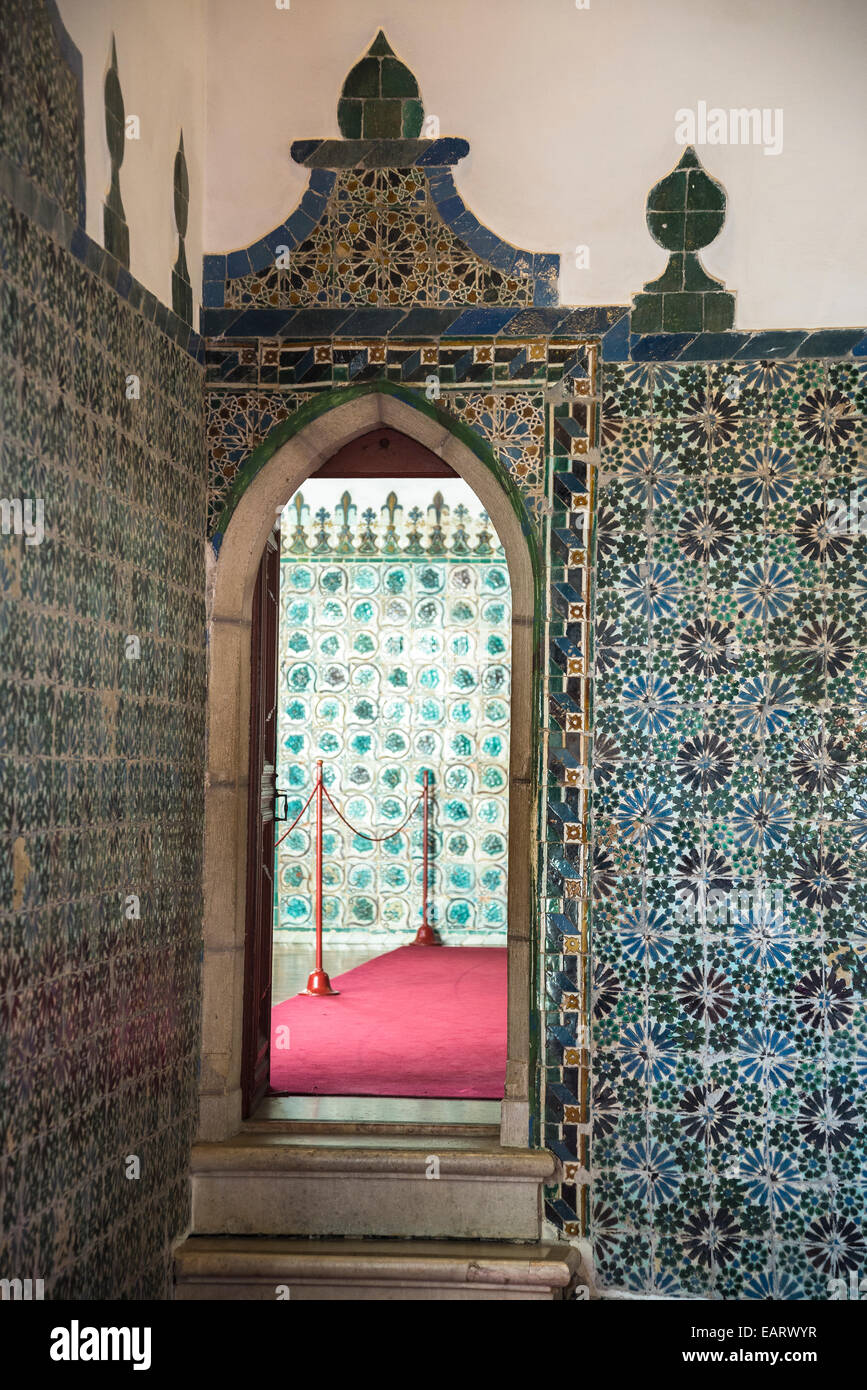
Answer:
[(380, 242), (540, 404), (100, 765), (726, 1112), (395, 634)]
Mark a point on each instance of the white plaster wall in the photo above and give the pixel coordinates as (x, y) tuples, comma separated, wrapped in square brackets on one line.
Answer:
[(570, 118), (161, 65)]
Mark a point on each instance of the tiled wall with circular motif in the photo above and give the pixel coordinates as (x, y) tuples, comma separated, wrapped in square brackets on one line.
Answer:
[(390, 664)]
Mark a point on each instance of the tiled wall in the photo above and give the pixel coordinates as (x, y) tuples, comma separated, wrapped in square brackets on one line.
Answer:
[(394, 658), (101, 756), (729, 831)]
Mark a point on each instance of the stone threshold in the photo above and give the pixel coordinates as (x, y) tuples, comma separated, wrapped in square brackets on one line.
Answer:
[(269, 1268)]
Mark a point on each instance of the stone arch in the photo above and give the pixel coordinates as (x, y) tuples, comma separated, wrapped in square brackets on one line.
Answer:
[(274, 472)]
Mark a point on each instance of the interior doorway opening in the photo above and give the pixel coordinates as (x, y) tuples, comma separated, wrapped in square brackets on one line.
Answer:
[(393, 661), (234, 1027)]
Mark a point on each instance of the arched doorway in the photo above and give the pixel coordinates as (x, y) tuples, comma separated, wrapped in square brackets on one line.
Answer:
[(282, 466), (393, 671)]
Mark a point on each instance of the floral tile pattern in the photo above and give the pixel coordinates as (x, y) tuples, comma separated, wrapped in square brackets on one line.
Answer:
[(729, 906), (532, 400)]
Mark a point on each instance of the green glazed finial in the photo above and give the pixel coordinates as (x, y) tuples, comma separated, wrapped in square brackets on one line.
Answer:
[(380, 98)]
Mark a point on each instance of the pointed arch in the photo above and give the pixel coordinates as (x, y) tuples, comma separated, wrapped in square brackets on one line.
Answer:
[(278, 467)]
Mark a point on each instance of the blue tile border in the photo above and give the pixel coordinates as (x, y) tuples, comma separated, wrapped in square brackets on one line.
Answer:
[(543, 268), (739, 345), (337, 153), (412, 322), (436, 156), (56, 223), (217, 269), (610, 323)]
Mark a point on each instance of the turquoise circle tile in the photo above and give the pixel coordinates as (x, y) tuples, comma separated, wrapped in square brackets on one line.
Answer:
[(365, 611), (431, 578), (460, 913), (429, 710), (462, 580), (299, 578), (495, 614), (428, 745), (496, 579), (496, 711), (332, 613), (461, 712), (495, 680), (364, 579), (396, 611), (395, 711), (429, 612), (493, 779), (332, 581), (397, 579)]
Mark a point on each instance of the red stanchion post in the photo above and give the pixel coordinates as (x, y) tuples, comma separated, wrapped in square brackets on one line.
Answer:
[(425, 936), (318, 983)]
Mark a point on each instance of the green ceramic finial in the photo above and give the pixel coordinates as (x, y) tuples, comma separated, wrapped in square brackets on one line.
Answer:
[(687, 208), (115, 229), (380, 98), (685, 211), (182, 291)]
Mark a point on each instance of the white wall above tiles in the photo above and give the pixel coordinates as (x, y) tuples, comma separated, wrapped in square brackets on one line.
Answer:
[(161, 65), (570, 114)]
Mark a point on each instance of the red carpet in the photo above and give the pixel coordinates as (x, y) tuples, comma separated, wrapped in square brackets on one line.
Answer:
[(419, 1021)]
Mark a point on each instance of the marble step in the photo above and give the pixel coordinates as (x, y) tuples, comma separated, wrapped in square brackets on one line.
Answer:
[(363, 1185), (264, 1268)]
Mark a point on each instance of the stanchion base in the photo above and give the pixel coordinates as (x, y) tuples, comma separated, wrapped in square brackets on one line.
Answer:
[(426, 936), (318, 985)]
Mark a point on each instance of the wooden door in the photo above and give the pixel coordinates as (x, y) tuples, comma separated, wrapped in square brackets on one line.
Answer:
[(256, 1056)]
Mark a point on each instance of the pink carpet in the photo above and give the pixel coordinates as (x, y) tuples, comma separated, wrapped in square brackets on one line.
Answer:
[(419, 1021)]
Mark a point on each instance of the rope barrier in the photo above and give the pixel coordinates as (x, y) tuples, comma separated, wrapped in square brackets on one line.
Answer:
[(319, 985), (374, 839)]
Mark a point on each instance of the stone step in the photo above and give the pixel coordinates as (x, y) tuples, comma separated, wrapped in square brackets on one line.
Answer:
[(386, 1129), (453, 1187), (228, 1268)]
